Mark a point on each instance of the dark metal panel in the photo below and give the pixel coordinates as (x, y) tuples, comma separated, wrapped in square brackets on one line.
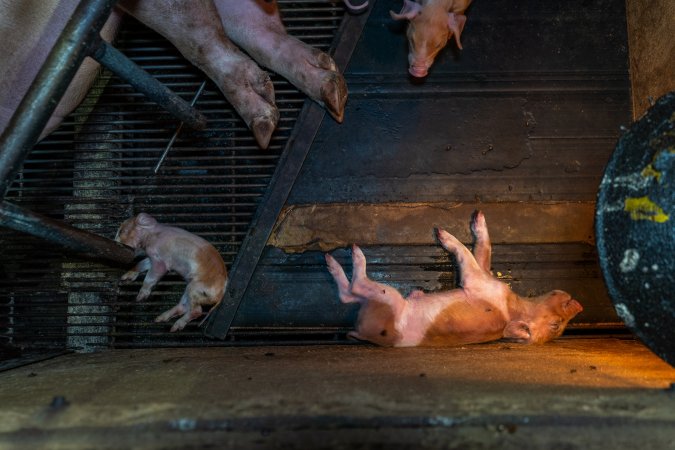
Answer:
[(530, 109), (527, 37)]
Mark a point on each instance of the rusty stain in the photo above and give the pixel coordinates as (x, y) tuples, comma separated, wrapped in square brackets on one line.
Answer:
[(325, 227)]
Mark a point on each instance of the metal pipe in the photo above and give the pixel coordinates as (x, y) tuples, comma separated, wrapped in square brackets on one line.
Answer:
[(49, 86), (20, 219), (124, 68)]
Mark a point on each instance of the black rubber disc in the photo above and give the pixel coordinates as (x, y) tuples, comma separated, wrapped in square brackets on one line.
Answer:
[(635, 232)]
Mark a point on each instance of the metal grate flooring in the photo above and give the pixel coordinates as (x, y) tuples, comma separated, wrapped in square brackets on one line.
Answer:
[(97, 169)]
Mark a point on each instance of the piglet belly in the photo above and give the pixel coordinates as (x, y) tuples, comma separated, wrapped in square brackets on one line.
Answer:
[(464, 323)]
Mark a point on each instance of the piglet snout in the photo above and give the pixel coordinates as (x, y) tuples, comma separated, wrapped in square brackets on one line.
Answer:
[(572, 307)]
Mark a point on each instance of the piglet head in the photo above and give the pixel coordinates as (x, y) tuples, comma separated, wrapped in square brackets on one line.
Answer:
[(544, 318), (428, 32), (133, 230)]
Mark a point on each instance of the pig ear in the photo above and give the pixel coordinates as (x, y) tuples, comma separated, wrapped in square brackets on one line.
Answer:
[(517, 329), (145, 220), (456, 25), (409, 11)]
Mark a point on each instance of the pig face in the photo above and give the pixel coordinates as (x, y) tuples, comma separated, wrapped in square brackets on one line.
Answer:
[(547, 319), (133, 230), (428, 32)]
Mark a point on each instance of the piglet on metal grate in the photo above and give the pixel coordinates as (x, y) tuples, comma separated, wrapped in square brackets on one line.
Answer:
[(170, 248)]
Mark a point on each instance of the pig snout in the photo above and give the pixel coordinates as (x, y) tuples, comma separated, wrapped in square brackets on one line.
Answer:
[(572, 307), (418, 71)]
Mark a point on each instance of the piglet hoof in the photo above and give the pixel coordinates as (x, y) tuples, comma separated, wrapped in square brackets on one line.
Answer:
[(143, 295), (478, 225), (130, 276), (262, 128), (448, 241), (334, 95), (178, 325)]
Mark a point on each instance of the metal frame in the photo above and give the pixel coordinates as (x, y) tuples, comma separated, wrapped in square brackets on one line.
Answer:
[(51, 83), (80, 38)]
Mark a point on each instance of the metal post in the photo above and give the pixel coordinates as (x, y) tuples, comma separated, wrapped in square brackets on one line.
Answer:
[(49, 86), (20, 219)]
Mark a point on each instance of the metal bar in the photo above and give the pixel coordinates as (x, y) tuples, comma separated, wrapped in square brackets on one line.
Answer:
[(30, 118), (280, 186), (19, 219), (124, 68)]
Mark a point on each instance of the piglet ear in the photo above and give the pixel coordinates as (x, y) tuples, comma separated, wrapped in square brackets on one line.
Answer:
[(145, 220), (409, 11), (456, 25), (517, 329)]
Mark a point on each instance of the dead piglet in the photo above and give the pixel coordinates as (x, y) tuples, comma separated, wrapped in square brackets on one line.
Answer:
[(482, 309), (432, 23), (255, 25), (195, 29), (169, 248)]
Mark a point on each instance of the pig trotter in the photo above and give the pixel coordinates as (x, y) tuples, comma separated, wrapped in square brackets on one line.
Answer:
[(262, 128), (334, 95)]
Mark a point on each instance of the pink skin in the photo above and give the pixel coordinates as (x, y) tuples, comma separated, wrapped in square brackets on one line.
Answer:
[(256, 27), (195, 29), (432, 23), (482, 309), (170, 248)]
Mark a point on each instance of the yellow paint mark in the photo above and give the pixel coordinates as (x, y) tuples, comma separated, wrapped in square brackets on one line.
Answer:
[(649, 171), (644, 209)]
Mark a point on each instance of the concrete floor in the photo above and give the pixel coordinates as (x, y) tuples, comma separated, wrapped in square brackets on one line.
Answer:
[(572, 393)]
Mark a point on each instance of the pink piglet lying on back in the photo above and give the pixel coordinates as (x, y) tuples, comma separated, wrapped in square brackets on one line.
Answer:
[(170, 248), (483, 309)]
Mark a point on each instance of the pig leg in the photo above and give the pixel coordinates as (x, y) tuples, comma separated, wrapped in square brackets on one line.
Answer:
[(155, 273), (363, 286), (341, 280), (142, 266), (180, 309), (470, 271), (186, 318), (482, 249), (195, 29), (255, 26)]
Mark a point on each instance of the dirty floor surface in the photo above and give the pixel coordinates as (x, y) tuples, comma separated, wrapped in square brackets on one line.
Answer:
[(573, 393)]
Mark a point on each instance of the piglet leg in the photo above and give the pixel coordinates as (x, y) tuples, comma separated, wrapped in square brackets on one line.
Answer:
[(482, 249), (335, 269), (470, 271), (186, 318), (195, 29), (255, 26), (157, 271), (363, 286), (142, 266)]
